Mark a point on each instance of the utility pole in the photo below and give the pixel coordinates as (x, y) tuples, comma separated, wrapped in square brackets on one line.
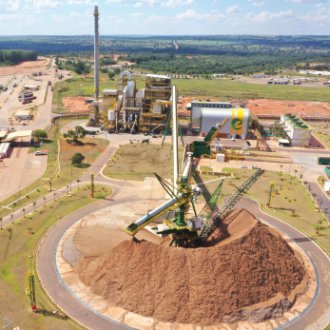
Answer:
[(92, 185), (270, 194)]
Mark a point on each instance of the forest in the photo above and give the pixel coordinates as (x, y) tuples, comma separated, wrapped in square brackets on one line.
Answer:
[(16, 56), (240, 54)]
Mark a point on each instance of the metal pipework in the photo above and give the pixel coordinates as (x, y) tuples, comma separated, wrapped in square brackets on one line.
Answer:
[(137, 225), (96, 53), (186, 172)]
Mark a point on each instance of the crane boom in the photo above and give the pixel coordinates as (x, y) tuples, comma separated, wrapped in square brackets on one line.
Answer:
[(185, 194)]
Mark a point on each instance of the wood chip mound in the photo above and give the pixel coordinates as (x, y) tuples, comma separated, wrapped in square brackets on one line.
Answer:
[(204, 286)]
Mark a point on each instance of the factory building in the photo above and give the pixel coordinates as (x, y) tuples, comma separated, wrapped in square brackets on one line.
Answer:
[(297, 130), (205, 115), (197, 106)]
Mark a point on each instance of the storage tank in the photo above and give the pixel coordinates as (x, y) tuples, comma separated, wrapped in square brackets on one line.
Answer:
[(236, 126)]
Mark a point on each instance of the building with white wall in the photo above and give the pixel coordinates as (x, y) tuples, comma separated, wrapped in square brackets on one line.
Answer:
[(297, 130)]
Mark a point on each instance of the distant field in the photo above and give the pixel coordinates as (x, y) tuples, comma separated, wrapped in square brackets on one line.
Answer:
[(228, 89), (223, 89)]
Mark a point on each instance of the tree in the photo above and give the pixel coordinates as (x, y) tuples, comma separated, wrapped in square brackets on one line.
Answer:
[(111, 75), (39, 135), (77, 159), (76, 133)]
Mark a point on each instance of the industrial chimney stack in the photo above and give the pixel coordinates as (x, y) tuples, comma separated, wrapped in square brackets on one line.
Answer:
[(96, 52), (94, 119)]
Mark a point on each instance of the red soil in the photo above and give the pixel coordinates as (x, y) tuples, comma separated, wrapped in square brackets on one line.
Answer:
[(25, 67), (75, 104), (278, 107)]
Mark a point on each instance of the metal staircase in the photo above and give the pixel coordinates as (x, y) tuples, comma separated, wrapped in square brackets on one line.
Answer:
[(218, 215)]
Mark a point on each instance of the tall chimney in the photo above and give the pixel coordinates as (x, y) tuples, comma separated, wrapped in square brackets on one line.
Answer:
[(96, 53)]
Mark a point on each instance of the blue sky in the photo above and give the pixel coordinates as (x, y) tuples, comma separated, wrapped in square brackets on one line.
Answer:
[(170, 17)]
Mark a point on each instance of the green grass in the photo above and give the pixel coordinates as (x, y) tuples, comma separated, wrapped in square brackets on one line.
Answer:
[(78, 86), (324, 137), (137, 161), (20, 240), (291, 202), (228, 89), (68, 173)]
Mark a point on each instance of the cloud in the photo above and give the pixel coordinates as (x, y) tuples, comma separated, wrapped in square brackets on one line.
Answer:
[(176, 3), (266, 16), (308, 1), (258, 3), (320, 16), (79, 2), (192, 15), (136, 14), (118, 2), (43, 4), (13, 6), (233, 9)]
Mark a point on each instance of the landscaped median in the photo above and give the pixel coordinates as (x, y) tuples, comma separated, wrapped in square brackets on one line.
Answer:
[(289, 201), (137, 161), (18, 244)]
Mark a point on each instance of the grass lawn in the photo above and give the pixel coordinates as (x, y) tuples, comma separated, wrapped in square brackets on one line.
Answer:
[(91, 150), (137, 161), (228, 89), (290, 202), (324, 137), (17, 242), (83, 86)]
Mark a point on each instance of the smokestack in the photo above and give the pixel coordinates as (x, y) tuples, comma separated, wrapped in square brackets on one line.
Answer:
[(96, 52)]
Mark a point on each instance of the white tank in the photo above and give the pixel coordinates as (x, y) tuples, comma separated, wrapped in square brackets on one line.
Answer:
[(236, 126), (111, 115)]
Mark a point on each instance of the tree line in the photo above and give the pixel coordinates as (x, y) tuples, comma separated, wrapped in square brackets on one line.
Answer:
[(16, 56)]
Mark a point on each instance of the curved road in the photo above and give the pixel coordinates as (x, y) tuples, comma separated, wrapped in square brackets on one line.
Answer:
[(315, 317)]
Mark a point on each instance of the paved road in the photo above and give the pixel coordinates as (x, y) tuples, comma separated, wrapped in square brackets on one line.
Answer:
[(321, 199), (51, 281)]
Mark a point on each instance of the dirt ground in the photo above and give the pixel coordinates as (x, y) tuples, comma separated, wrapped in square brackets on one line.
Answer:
[(25, 67), (278, 107), (20, 170), (75, 104)]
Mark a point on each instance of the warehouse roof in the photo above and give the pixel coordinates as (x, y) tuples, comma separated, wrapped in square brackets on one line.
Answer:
[(18, 134), (157, 76), (296, 121)]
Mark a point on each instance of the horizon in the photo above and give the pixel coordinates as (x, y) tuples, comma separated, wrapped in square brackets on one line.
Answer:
[(165, 17)]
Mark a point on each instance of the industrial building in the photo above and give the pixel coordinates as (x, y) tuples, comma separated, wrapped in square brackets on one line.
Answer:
[(145, 109), (205, 115), (23, 115), (196, 107), (4, 149), (297, 130)]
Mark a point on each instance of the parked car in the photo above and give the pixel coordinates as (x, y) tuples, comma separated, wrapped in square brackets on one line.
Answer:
[(41, 152)]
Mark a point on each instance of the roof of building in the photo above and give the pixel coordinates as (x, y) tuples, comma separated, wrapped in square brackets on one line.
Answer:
[(4, 147), (23, 113), (215, 112), (157, 76), (296, 121), (327, 171), (110, 91), (18, 134), (3, 133)]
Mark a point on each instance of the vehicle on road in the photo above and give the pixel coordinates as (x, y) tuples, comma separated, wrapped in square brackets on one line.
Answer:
[(41, 152)]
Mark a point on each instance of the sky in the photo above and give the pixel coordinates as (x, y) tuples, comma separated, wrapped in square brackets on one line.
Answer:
[(165, 17)]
